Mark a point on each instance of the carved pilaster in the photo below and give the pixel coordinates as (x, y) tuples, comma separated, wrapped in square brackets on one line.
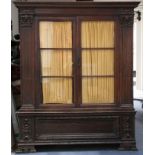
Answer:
[(26, 18), (26, 129), (126, 126), (128, 141), (126, 19)]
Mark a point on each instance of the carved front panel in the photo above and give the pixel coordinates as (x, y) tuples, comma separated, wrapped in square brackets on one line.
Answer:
[(77, 128)]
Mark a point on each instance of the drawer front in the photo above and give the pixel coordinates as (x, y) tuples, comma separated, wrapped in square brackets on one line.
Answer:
[(55, 128)]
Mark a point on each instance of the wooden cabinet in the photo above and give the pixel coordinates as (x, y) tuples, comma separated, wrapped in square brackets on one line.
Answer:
[(76, 74)]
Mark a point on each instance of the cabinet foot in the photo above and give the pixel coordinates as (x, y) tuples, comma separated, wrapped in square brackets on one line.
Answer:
[(25, 148), (128, 146)]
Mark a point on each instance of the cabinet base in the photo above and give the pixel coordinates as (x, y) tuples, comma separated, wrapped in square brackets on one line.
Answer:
[(25, 149), (131, 146), (124, 146), (86, 128)]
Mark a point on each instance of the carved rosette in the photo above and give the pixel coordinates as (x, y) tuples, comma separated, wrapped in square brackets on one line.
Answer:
[(126, 20), (26, 129), (26, 18), (126, 132)]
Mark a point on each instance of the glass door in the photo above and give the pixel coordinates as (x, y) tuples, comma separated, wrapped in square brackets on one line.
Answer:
[(61, 81), (56, 61), (97, 52)]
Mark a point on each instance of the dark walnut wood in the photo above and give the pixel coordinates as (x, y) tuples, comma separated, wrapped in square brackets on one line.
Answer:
[(76, 124)]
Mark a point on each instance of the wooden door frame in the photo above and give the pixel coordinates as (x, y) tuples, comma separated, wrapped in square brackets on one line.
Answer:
[(38, 88), (116, 63), (76, 56)]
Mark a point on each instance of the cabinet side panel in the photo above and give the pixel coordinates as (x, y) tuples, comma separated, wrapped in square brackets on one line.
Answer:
[(27, 65), (127, 63), (126, 60)]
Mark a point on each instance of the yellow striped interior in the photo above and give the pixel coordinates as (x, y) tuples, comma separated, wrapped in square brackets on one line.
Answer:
[(97, 62), (97, 90), (97, 34), (57, 90), (55, 34), (56, 62)]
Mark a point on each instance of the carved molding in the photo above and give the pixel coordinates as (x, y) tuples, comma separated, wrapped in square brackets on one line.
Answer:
[(27, 106), (26, 18), (23, 0), (126, 20)]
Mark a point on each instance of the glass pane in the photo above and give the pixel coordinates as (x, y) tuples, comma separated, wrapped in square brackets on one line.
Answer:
[(97, 90), (57, 90), (56, 62), (97, 62), (55, 34), (97, 34)]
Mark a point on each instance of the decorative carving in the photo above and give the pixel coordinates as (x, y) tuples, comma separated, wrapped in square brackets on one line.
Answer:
[(26, 18), (126, 127), (127, 136), (25, 149), (27, 129), (126, 20)]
